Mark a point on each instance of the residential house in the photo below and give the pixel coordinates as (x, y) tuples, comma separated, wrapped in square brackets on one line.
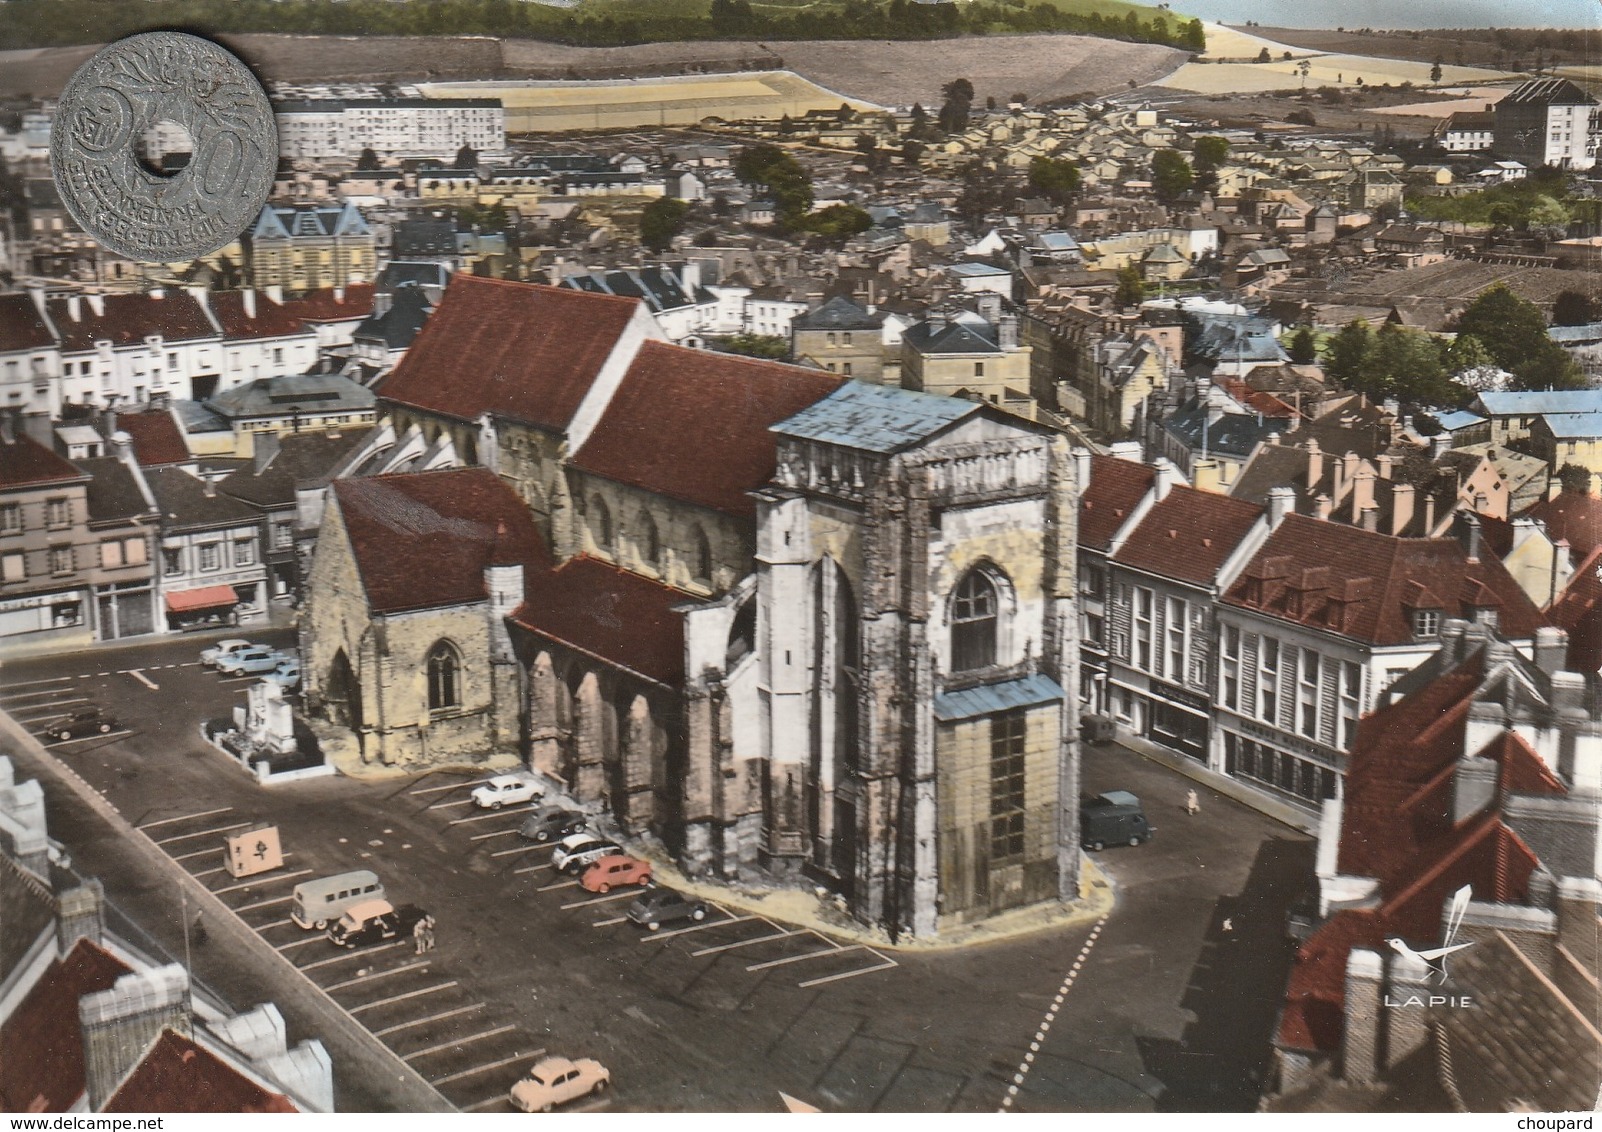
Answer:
[(30, 360), (1467, 131), (1114, 491), (307, 247), (125, 348), (1129, 369), (842, 337), (1513, 415), (305, 402), (262, 337), (960, 353), (672, 293), (213, 568), (1548, 121)]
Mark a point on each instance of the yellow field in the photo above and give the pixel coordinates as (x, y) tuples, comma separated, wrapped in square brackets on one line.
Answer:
[(1325, 70), (541, 107)]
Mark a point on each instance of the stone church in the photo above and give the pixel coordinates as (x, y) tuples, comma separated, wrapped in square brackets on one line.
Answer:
[(784, 622)]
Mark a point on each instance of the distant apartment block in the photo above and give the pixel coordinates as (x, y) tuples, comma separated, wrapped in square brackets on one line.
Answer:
[(393, 128), (1548, 122)]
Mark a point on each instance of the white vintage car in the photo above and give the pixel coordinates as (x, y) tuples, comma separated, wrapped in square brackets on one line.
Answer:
[(507, 790)]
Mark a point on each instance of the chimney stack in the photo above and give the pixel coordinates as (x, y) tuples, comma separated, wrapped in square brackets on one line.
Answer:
[(119, 1024), (1315, 463), (1402, 495), (248, 297), (97, 303), (1082, 466), (1473, 536), (1551, 649), (210, 486), (1321, 508), (1281, 502)]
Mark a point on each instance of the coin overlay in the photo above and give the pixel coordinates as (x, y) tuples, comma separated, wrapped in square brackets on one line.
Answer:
[(126, 89)]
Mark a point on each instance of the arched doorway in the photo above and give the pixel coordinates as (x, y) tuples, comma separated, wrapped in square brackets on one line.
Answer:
[(343, 698)]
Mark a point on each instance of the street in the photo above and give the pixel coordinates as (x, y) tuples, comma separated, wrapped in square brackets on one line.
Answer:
[(1160, 1007)]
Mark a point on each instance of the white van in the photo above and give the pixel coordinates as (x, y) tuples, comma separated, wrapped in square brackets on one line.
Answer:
[(318, 903)]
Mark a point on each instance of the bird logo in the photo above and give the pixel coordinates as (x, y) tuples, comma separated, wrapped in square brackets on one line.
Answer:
[(1435, 957)]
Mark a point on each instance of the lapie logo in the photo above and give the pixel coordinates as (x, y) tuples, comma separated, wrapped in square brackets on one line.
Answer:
[(1434, 958)]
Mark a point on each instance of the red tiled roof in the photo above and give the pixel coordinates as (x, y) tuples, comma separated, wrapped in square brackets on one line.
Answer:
[(271, 320), (1114, 489), (1188, 535), (1365, 585), (157, 440), (1579, 611), (422, 540), (1574, 516), (1257, 400), (21, 328), (694, 425), (41, 1045), (178, 1075), (26, 462), (514, 349), (128, 319), (324, 306), (610, 613)]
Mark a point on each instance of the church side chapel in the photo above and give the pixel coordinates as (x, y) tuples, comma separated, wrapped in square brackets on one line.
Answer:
[(787, 624)]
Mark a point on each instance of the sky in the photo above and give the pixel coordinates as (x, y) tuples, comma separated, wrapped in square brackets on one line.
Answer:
[(1406, 14)]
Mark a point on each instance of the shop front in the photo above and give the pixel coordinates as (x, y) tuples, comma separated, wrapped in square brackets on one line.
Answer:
[(203, 608)]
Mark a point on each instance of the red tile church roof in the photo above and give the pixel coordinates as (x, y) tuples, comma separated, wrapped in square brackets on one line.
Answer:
[(612, 614)]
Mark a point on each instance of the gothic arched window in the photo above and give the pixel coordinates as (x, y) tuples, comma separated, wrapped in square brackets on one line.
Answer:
[(444, 677), (973, 623)]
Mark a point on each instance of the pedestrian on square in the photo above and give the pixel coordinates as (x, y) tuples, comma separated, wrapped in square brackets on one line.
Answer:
[(419, 934), (428, 933), (1192, 803)]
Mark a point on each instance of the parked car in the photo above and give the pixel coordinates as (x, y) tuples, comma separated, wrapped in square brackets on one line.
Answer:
[(557, 1080), (258, 658), (374, 921), (551, 821), (1113, 818), (580, 849), (89, 721), (210, 657), (664, 906), (606, 873), (286, 675), (507, 790)]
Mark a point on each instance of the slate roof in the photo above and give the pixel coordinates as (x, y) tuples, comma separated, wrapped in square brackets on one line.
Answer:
[(422, 540), (128, 319), (1574, 426), (839, 313), (518, 350), (180, 1075), (182, 500), (695, 425), (304, 460), (952, 337), (1548, 92), (280, 396), (1365, 585), (1578, 610), (1115, 487), (1188, 535), (1232, 434), (41, 1045), (657, 287), (27, 463), (876, 418), (618, 616), (157, 439), (113, 494), (1541, 401), (398, 327), (21, 326), (987, 699)]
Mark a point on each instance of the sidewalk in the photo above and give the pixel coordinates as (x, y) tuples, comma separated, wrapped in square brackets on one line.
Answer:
[(1221, 784), (279, 616)]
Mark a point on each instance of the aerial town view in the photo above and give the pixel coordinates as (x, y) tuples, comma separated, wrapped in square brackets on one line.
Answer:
[(785, 556)]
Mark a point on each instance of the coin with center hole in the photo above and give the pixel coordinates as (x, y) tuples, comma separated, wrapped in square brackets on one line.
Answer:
[(123, 122)]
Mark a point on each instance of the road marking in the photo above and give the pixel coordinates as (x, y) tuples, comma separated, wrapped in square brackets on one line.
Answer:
[(203, 833), (497, 833), (367, 978), (197, 853), (277, 924), (81, 738), (6, 699), (211, 872), (1062, 991), (49, 709), (485, 1068), (254, 881), (558, 884), (300, 942), (835, 950), (701, 927), (885, 966), (35, 683), (531, 868), (143, 679), (188, 817), (607, 899), (442, 789), (498, 1098), (609, 923), (519, 849), (351, 953), (402, 997), (442, 1015), (459, 1042), (500, 813), (741, 943), (265, 903)]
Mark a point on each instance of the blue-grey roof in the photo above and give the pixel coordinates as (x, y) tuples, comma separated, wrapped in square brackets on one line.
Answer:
[(303, 392), (1233, 434), (1031, 691), (950, 338), (977, 270), (875, 418), (1590, 332), (1574, 426), (1542, 401), (1458, 418)]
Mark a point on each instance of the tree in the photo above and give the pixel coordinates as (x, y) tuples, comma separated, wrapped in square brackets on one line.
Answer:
[(1195, 36), (868, 146), (1435, 70), (837, 223), (1346, 354), (786, 182), (1210, 153), (466, 158), (660, 221), (1575, 478), (1549, 367), (1170, 174), (911, 152), (1406, 364), (959, 101), (1510, 328), (845, 115), (1055, 178), (368, 161), (1264, 57), (1466, 352), (1548, 218), (767, 346), (1131, 287), (1575, 308), (1304, 347)]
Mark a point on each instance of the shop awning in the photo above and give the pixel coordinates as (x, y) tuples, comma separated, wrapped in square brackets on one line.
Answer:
[(206, 597)]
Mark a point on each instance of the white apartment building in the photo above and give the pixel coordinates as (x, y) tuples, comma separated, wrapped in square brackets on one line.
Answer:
[(393, 128)]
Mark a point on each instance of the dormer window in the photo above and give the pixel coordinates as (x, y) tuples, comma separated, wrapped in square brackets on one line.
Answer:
[(1426, 623)]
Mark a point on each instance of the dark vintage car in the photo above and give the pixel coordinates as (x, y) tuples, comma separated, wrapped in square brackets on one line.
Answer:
[(374, 921), (551, 821), (663, 906), (89, 721)]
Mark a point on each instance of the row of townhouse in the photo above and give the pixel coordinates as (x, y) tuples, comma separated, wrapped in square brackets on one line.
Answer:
[(1251, 638), (185, 343)]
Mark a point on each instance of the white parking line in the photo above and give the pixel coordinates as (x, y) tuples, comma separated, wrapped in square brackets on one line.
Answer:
[(442, 789), (370, 976), (609, 923), (487, 1102), (441, 1016), (256, 880), (836, 950), (48, 708), (300, 942), (449, 1077), (459, 1042), (742, 943), (265, 903), (277, 924), (211, 872), (6, 699), (697, 928), (81, 738), (531, 868), (138, 675), (203, 833), (188, 817), (519, 849), (602, 899), (34, 683), (198, 853), (402, 997), (558, 884), (501, 813), (885, 966), (344, 955), (448, 805), (497, 833)]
